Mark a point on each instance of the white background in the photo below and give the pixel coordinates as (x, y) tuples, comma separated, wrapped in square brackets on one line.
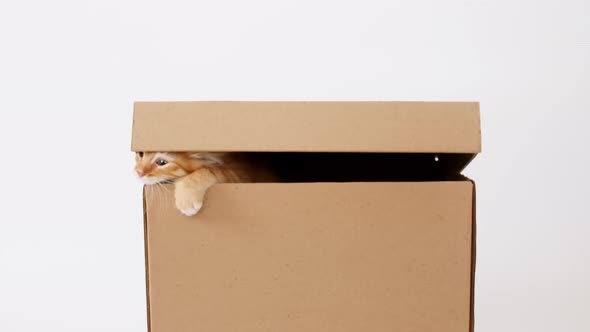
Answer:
[(71, 247)]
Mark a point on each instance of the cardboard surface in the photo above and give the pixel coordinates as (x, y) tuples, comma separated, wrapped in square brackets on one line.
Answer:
[(340, 257), (436, 127)]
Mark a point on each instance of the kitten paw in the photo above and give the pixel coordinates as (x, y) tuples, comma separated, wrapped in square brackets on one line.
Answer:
[(189, 197), (192, 210)]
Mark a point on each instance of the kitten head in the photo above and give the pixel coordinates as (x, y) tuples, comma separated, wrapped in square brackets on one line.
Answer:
[(158, 167)]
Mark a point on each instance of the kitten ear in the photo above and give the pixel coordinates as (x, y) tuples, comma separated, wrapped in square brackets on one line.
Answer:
[(211, 158)]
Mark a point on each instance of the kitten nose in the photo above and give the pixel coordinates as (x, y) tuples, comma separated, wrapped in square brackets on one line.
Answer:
[(140, 173)]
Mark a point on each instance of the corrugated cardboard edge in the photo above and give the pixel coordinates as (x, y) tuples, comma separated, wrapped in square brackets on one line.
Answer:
[(147, 262), (462, 177), (473, 254)]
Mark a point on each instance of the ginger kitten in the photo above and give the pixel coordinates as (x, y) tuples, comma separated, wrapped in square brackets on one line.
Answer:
[(192, 173)]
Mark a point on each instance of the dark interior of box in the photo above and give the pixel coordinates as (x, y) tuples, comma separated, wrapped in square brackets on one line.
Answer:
[(361, 167)]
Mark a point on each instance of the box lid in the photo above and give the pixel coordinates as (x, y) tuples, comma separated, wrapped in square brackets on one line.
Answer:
[(422, 127)]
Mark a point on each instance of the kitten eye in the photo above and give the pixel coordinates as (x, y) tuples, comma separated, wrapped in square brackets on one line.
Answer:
[(140, 154), (161, 162)]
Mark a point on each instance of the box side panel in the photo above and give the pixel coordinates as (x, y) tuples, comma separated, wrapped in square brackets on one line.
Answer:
[(473, 257), (147, 261), (437, 127), (313, 257)]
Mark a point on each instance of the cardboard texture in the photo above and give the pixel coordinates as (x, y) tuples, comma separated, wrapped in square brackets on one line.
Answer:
[(341, 256), (442, 127)]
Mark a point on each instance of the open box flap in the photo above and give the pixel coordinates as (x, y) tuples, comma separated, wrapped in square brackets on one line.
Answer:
[(391, 127)]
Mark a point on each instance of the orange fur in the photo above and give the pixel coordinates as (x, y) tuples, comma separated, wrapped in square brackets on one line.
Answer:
[(193, 173)]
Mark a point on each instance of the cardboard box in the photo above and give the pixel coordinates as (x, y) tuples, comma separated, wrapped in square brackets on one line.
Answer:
[(316, 256)]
